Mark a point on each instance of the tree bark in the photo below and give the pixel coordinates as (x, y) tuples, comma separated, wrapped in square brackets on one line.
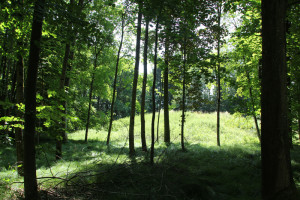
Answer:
[(19, 100), (153, 95), (62, 135), (134, 85), (166, 91), (61, 128), (298, 94), (159, 105), (253, 108), (4, 79), (90, 99), (143, 134), (183, 96), (277, 179), (30, 183), (218, 78), (115, 82)]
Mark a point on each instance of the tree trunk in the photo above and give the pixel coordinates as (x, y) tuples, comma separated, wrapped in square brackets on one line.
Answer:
[(159, 105), (61, 128), (183, 96), (143, 134), (115, 82), (12, 94), (134, 85), (64, 103), (19, 100), (166, 92), (30, 183), (153, 95), (90, 99), (4, 79), (62, 135), (277, 179), (253, 108), (218, 77), (298, 94)]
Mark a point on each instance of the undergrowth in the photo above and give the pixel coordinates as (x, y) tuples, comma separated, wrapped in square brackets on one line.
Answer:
[(95, 171)]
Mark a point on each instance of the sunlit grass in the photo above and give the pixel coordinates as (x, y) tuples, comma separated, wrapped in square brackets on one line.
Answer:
[(231, 171)]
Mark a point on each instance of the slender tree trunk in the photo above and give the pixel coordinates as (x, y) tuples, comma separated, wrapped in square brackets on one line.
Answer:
[(90, 99), (4, 79), (143, 134), (20, 99), (253, 107), (183, 96), (135, 79), (277, 179), (166, 92), (298, 94), (289, 113), (12, 94), (30, 183), (115, 82), (62, 135), (218, 78), (159, 104), (64, 103), (153, 95), (61, 128)]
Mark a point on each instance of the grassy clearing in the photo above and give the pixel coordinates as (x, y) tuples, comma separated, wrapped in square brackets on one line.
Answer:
[(205, 171)]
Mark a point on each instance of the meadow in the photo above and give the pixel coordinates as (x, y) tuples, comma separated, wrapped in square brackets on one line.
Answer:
[(205, 171)]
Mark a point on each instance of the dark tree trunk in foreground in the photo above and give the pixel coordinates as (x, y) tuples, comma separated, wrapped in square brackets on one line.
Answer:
[(153, 95), (218, 78), (115, 83), (135, 80), (166, 92), (30, 183), (277, 179), (143, 132), (90, 98)]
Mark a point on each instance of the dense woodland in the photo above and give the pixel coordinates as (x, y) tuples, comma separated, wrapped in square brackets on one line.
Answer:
[(85, 66)]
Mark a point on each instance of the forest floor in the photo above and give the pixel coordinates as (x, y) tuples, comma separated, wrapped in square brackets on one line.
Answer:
[(204, 171)]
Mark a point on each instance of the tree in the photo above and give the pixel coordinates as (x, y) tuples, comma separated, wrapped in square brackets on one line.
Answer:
[(20, 95), (90, 95), (166, 85), (115, 81), (183, 92), (64, 80), (218, 71), (143, 134), (135, 79), (153, 95), (244, 60), (30, 183), (277, 179)]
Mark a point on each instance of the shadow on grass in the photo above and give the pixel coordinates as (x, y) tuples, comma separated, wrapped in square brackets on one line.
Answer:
[(199, 173)]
